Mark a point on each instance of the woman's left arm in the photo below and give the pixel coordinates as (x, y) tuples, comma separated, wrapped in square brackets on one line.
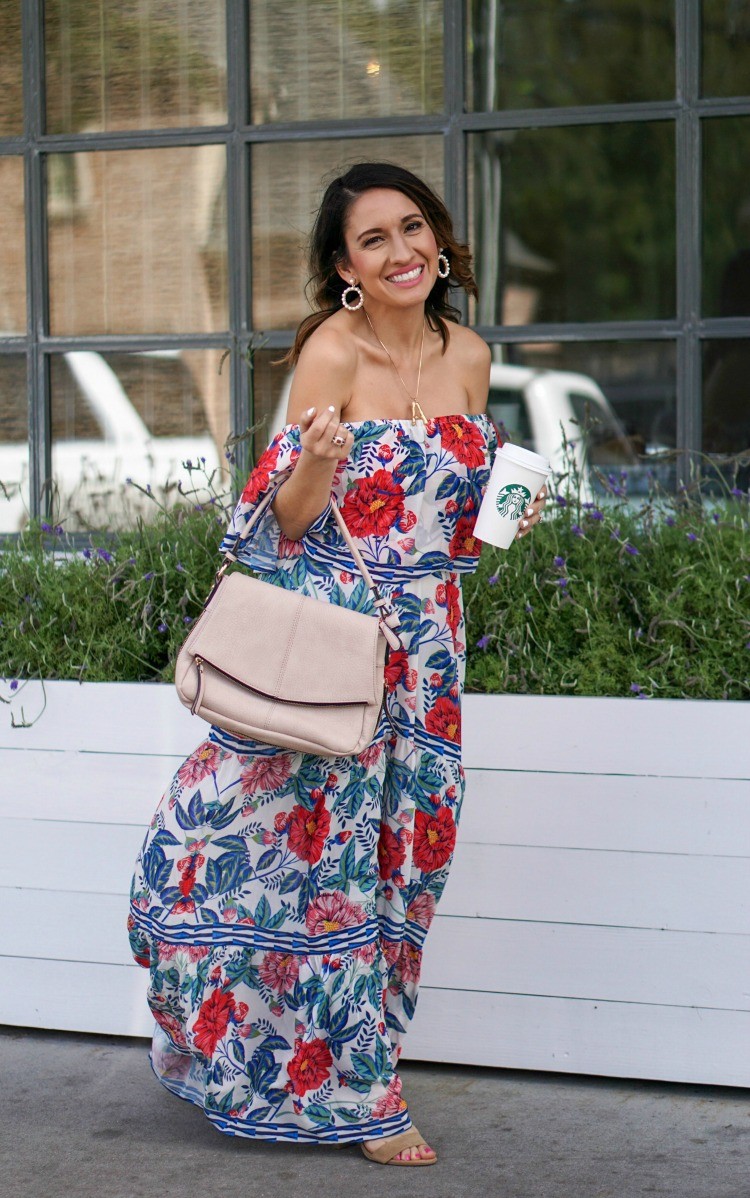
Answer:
[(479, 360)]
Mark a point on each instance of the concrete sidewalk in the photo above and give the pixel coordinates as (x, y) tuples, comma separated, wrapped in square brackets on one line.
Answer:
[(83, 1117)]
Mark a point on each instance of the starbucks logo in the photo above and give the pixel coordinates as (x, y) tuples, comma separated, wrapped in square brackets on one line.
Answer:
[(511, 500)]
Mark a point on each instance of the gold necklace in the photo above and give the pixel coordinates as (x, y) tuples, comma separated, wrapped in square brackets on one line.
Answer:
[(416, 410)]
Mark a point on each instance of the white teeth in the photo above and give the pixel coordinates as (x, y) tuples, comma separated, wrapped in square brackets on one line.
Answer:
[(405, 278)]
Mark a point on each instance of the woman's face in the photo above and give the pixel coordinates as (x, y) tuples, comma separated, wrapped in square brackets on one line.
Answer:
[(391, 250)]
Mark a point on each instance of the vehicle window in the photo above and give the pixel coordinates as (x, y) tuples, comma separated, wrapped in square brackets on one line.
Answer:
[(507, 407), (14, 421), (607, 444), (71, 416), (163, 392)]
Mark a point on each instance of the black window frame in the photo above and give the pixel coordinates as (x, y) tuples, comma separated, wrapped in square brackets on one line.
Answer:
[(688, 330)]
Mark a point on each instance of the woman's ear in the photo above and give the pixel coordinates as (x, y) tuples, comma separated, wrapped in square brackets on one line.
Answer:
[(345, 270)]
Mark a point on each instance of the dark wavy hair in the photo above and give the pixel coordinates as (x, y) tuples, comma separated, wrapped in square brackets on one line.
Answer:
[(328, 247)]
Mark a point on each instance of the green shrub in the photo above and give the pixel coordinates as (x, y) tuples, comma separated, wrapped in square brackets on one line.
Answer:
[(597, 601)]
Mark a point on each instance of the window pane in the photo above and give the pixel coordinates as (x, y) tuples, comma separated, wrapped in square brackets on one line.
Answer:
[(574, 224), (271, 381), (13, 270), (615, 399), (138, 241), (726, 217), (726, 48), (11, 80), (324, 60), (142, 64), (141, 416), (288, 184), (726, 410), (14, 444), (549, 53)]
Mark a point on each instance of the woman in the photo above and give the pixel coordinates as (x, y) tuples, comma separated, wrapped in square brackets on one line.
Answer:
[(281, 900)]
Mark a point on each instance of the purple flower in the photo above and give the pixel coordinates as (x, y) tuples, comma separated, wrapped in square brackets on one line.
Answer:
[(561, 500), (561, 582), (104, 555), (180, 567), (46, 527), (149, 575), (529, 608), (631, 549), (559, 562), (161, 627), (87, 553), (58, 530), (635, 688), (596, 515), (129, 481), (483, 642), (738, 494), (691, 536), (492, 580), (670, 521), (576, 530), (187, 619), (14, 685)]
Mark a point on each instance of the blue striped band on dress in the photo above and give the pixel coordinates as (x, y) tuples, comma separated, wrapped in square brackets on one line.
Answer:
[(241, 935)]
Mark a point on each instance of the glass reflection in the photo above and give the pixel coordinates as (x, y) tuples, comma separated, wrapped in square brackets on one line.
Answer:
[(726, 217), (615, 401), (271, 382), (14, 444), (141, 64), (288, 183), (321, 59), (137, 241), (574, 224), (726, 411), (13, 249), (11, 79), (550, 53), (725, 51), (159, 419)]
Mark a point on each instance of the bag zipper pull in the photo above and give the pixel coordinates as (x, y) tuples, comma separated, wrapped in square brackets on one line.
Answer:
[(199, 692)]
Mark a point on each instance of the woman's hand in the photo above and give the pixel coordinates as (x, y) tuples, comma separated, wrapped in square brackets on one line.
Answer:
[(533, 514), (317, 433)]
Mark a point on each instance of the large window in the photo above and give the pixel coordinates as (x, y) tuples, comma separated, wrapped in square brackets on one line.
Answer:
[(160, 165)]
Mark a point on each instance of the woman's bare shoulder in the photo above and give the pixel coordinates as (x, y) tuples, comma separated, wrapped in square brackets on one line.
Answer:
[(325, 371), (473, 358)]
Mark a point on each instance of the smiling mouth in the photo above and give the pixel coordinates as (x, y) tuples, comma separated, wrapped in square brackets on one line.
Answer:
[(407, 276)]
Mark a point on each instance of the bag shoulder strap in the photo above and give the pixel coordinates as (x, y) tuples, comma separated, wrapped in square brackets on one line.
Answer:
[(383, 606)]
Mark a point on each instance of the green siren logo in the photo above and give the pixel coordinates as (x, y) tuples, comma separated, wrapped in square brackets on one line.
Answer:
[(511, 500)]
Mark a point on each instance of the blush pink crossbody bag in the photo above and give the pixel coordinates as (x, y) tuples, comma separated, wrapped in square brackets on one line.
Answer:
[(273, 665)]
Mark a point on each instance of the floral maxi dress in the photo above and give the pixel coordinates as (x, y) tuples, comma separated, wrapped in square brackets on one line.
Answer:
[(281, 900)]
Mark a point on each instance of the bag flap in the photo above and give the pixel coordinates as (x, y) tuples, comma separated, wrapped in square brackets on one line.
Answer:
[(289, 646)]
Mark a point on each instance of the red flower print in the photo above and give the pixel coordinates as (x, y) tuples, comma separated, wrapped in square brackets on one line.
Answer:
[(410, 962), (308, 830), (212, 1022), (391, 1102), (391, 853), (444, 720), (462, 438), (453, 603), (421, 909), (331, 912), (205, 760), (288, 548), (397, 670), (371, 755), (280, 821), (279, 971), (366, 954), (261, 475), (310, 1065), (463, 543), (266, 773), (434, 839), (172, 1027), (373, 505), (407, 521), (391, 950)]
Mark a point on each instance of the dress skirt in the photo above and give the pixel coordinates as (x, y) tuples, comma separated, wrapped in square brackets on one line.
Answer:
[(281, 900)]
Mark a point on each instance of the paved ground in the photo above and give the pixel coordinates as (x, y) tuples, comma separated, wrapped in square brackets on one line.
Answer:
[(83, 1117)]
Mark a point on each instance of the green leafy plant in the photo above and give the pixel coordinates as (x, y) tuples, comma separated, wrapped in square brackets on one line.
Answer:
[(611, 599)]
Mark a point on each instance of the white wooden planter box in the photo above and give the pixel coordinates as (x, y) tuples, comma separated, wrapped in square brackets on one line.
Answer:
[(596, 921)]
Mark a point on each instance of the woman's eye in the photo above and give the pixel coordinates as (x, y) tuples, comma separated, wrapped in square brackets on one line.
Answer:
[(371, 241), (414, 224)]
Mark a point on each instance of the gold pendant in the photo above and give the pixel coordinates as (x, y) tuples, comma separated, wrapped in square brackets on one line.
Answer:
[(417, 413)]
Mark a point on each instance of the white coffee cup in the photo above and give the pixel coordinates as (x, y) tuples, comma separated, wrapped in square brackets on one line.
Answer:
[(516, 479)]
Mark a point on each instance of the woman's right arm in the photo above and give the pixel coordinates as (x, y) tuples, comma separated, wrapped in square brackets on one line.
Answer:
[(322, 386)]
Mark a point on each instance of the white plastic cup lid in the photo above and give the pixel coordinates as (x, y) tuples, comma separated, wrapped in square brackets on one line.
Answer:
[(525, 457)]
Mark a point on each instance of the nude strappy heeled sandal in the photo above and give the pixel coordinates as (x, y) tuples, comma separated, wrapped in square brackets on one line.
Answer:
[(392, 1145)]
